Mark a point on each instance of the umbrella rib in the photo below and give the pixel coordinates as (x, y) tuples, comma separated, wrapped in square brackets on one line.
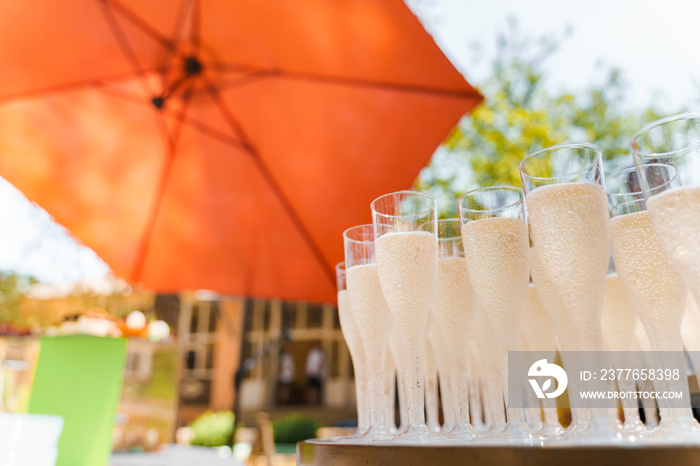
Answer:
[(195, 27), (186, 119), (156, 203), (274, 185), (165, 64), (124, 44), (354, 82), (139, 23), (97, 83)]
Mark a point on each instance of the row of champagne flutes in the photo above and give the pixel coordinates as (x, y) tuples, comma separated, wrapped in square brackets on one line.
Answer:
[(462, 286)]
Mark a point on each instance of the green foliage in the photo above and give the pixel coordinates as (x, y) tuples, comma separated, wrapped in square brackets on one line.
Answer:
[(213, 429), (294, 428), (521, 116), (164, 370), (12, 289)]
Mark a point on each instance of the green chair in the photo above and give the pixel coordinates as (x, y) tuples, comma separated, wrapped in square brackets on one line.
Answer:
[(79, 377)]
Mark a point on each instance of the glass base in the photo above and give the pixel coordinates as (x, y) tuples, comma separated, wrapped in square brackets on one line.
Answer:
[(446, 428), (461, 431), (359, 432), (635, 426), (494, 430), (435, 428), (517, 433), (676, 431), (480, 428), (376, 434), (551, 431), (417, 434), (599, 431)]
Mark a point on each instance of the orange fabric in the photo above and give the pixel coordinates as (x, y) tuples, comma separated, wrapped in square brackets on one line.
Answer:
[(305, 111)]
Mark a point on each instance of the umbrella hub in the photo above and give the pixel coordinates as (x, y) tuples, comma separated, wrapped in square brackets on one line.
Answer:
[(192, 66), (189, 68)]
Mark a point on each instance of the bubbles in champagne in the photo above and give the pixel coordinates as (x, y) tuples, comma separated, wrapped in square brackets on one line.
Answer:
[(618, 318), (655, 290), (497, 256), (369, 309), (536, 330), (675, 217), (407, 264), (569, 228), (551, 303), (454, 300), (349, 328), (351, 334), (497, 253)]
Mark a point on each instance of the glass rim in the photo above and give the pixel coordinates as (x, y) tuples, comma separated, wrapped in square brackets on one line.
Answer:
[(405, 191), (656, 124), (555, 148), (364, 226), (635, 169), (619, 206), (492, 188)]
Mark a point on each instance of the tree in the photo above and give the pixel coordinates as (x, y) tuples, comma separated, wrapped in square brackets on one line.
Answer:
[(519, 117), (12, 289)]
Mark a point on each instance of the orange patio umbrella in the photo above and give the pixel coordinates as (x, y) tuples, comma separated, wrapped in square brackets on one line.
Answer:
[(220, 144)]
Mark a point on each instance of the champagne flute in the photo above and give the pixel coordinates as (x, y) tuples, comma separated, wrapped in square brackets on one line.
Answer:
[(395, 350), (643, 351), (555, 309), (390, 391), (652, 285), (430, 370), (442, 351), (690, 332), (569, 228), (454, 312), (477, 405), (357, 353), (372, 318), (496, 247), (537, 334), (492, 394), (675, 213), (405, 226), (618, 320)]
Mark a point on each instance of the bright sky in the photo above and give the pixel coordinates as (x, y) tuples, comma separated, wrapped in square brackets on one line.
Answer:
[(653, 42)]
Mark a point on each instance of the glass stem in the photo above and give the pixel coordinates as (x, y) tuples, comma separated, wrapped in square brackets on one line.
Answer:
[(389, 391), (412, 355), (376, 391), (460, 386), (671, 343), (361, 399)]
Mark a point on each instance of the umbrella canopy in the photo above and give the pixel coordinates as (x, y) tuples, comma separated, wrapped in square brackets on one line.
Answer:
[(220, 144)]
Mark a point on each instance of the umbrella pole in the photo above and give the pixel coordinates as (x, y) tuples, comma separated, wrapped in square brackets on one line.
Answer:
[(240, 373)]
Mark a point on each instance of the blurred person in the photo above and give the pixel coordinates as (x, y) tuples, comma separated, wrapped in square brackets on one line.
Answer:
[(315, 362), (286, 377)]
